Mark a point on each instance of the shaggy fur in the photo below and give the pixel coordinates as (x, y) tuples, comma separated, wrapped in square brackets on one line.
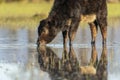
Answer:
[(66, 15)]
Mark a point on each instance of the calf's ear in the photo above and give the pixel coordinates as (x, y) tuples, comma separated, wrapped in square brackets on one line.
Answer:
[(52, 23), (42, 23)]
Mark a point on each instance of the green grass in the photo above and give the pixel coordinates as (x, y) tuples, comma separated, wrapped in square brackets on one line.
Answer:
[(114, 10), (23, 14), (24, 9)]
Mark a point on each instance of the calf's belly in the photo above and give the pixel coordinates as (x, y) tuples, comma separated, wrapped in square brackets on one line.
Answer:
[(88, 18)]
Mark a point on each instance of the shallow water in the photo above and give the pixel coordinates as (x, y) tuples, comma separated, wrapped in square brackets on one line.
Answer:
[(20, 60)]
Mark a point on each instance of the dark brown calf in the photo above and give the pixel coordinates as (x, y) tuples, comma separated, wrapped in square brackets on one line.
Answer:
[(66, 15)]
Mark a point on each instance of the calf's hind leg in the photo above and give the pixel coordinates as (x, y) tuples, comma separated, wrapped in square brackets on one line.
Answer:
[(94, 30), (103, 27)]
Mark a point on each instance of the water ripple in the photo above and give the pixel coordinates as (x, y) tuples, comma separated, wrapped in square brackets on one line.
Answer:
[(16, 46)]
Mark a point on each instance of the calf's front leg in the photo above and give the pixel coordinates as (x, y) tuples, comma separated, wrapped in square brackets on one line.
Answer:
[(65, 37), (73, 29)]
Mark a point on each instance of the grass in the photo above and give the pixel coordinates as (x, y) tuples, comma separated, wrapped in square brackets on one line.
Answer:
[(22, 14), (114, 10), (23, 9)]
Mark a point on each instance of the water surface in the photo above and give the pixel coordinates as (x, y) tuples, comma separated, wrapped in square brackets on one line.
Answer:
[(20, 60)]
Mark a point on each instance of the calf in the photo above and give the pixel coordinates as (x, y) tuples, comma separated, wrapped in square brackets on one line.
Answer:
[(66, 15)]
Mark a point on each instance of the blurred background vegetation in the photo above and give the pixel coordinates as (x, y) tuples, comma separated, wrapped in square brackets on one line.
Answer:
[(44, 0), (30, 12), (113, 1), (24, 0)]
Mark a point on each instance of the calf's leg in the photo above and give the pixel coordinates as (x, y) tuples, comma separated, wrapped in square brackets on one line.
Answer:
[(103, 27), (94, 30), (73, 29), (65, 36)]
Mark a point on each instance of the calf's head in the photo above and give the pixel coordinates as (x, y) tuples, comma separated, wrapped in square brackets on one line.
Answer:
[(46, 31)]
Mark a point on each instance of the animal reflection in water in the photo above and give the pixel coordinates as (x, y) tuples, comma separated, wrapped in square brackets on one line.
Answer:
[(68, 66)]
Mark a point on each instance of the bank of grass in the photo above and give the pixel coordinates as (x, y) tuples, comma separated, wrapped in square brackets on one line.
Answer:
[(22, 14), (24, 9), (113, 10)]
